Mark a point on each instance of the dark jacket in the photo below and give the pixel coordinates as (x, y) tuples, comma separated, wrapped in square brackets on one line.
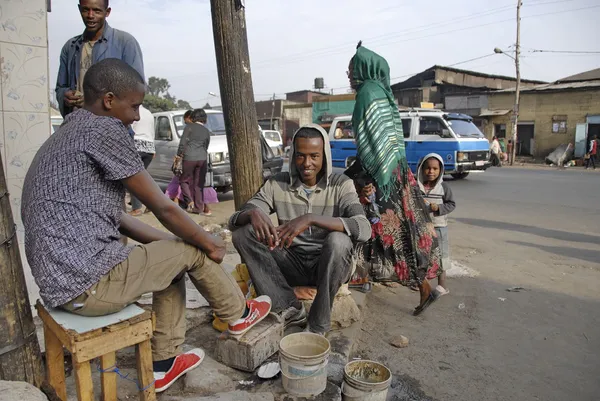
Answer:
[(194, 142), (113, 44)]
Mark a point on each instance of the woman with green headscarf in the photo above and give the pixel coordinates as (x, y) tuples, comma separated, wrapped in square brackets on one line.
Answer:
[(403, 245)]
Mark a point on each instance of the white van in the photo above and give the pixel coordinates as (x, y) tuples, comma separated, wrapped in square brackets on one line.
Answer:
[(169, 127)]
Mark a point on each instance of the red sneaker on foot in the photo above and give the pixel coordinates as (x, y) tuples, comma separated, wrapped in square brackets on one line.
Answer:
[(183, 363), (258, 308)]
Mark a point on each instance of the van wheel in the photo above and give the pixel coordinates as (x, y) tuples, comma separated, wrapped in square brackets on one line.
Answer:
[(459, 176)]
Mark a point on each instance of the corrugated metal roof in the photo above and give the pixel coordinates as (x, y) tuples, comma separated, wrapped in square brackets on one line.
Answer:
[(590, 75), (556, 87)]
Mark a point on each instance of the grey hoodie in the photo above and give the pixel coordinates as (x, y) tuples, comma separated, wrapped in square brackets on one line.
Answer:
[(334, 196), (440, 194)]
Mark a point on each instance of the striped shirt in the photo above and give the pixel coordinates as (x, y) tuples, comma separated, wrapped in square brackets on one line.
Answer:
[(333, 197)]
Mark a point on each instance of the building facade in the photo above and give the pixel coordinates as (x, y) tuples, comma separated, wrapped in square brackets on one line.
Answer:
[(24, 101)]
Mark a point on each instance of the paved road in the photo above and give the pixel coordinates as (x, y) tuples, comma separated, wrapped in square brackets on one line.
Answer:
[(534, 228)]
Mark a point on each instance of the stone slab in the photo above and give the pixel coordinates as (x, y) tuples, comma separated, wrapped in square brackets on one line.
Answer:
[(249, 351), (20, 391), (230, 396), (332, 392)]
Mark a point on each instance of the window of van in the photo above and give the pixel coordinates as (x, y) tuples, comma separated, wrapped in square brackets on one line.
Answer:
[(431, 126), (343, 130), (215, 122), (464, 128), (163, 129), (406, 126)]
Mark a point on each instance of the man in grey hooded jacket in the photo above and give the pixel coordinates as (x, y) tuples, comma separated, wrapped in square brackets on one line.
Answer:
[(320, 219)]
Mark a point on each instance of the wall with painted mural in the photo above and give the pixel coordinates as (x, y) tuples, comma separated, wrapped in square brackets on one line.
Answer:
[(24, 115)]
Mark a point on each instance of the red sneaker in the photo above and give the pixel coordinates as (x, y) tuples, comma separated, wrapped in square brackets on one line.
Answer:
[(258, 308), (183, 363)]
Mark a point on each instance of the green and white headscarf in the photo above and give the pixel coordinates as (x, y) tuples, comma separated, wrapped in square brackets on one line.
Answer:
[(376, 120)]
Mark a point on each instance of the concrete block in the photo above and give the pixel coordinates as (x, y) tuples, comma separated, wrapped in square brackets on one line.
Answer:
[(249, 351), (343, 313), (13, 391), (212, 377)]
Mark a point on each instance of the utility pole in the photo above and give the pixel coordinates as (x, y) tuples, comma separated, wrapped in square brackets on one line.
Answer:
[(237, 97), (20, 358), (518, 88)]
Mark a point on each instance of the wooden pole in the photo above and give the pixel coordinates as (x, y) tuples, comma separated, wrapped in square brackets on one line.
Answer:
[(20, 358), (518, 88), (237, 97)]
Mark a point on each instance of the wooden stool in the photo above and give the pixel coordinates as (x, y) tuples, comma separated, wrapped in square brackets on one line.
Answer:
[(91, 337)]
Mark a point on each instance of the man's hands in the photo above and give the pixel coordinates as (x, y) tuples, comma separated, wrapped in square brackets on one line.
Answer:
[(290, 230), (73, 98), (264, 229), (219, 249), (281, 236)]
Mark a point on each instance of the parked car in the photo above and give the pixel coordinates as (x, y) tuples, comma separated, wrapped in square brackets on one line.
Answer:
[(274, 141), (55, 122), (168, 130), (452, 136)]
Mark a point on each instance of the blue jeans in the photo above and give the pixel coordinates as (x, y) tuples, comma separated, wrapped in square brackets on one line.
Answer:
[(442, 233)]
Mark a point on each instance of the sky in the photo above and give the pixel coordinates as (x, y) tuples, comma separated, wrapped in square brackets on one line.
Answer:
[(293, 42)]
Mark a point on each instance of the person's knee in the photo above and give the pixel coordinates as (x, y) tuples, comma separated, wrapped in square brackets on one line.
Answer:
[(242, 236), (339, 243)]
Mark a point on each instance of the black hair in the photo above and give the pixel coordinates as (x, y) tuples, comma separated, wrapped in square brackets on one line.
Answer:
[(106, 5), (198, 115), (110, 75), (308, 133), (187, 114)]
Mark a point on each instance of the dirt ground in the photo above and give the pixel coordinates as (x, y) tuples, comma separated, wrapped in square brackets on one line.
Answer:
[(539, 230)]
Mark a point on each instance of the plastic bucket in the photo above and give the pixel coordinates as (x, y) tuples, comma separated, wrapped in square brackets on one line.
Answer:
[(365, 381), (303, 358)]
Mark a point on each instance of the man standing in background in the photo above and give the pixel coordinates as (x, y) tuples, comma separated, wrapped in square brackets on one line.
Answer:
[(98, 42)]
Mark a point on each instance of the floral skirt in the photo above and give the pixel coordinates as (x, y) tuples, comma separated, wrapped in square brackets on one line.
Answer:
[(403, 245)]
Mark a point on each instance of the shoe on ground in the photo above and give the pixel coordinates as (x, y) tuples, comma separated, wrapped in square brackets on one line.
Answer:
[(294, 317), (183, 363), (258, 309)]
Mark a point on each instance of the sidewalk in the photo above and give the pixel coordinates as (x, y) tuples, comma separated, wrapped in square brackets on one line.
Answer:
[(213, 380)]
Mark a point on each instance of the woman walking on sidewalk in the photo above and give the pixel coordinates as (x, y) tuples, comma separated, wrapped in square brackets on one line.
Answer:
[(193, 148), (403, 245)]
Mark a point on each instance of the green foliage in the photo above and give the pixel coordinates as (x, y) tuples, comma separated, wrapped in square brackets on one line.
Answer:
[(159, 99)]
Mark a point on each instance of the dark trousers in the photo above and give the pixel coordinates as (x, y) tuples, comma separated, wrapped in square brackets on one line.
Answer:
[(146, 159), (495, 159), (192, 183), (274, 273), (591, 161)]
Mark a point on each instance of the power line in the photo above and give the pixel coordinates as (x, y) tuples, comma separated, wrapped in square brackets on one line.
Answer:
[(564, 51)]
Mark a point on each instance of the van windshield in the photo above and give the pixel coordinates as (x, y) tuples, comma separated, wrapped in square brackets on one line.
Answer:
[(214, 122), (464, 128)]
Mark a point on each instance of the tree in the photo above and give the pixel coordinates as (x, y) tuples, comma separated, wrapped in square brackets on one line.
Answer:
[(158, 86), (183, 104), (159, 99)]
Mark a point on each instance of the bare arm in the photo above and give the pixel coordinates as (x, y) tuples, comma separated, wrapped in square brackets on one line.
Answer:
[(141, 232), (143, 187)]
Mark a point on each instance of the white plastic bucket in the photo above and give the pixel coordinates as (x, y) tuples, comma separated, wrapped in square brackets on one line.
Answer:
[(365, 381), (303, 358)]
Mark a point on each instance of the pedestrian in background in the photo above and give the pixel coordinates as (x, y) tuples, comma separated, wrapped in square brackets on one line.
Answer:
[(144, 144), (193, 149), (495, 152), (591, 156), (509, 151), (174, 188)]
